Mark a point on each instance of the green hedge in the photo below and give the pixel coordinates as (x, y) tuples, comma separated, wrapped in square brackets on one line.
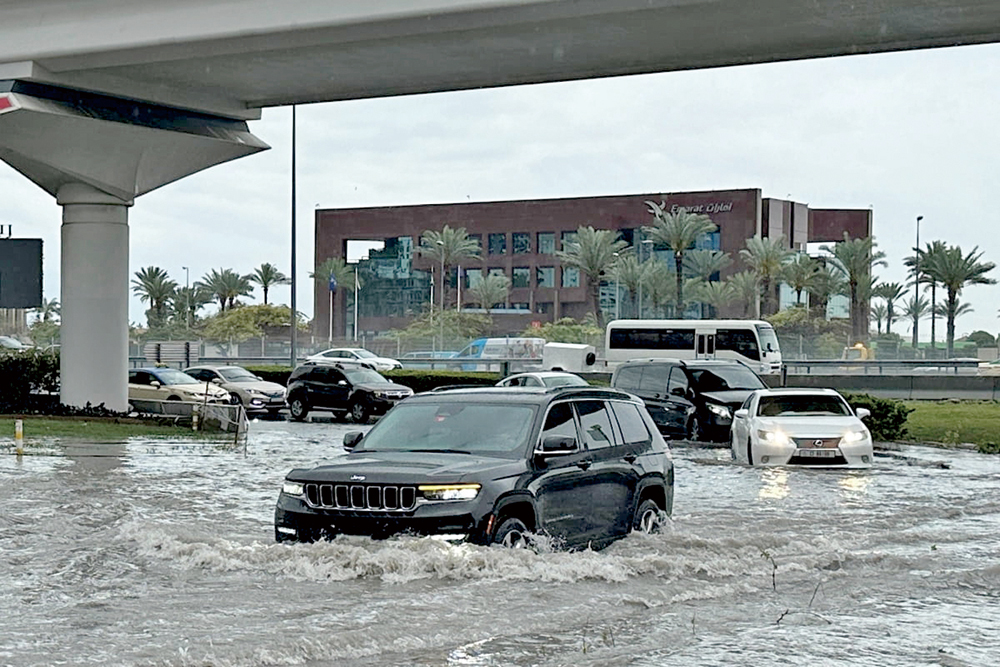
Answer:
[(23, 375), (417, 380), (888, 419)]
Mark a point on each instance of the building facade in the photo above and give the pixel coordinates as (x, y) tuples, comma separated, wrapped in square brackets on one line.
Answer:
[(520, 238)]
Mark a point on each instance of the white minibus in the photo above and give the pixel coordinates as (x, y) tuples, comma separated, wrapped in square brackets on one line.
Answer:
[(751, 341)]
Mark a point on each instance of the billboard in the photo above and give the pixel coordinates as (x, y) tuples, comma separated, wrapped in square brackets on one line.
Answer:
[(20, 273)]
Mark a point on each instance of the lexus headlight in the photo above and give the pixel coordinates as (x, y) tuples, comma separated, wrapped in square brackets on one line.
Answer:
[(773, 437), (255, 392), (854, 436), (292, 488), (719, 410), (449, 491)]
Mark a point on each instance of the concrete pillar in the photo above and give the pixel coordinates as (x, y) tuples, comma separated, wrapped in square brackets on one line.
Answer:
[(94, 298)]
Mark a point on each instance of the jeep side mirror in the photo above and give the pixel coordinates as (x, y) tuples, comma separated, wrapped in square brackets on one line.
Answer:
[(742, 413), (351, 439), (678, 391), (342, 383), (558, 445), (863, 413)]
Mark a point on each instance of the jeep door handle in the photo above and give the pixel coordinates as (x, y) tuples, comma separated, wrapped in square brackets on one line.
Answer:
[(583, 465)]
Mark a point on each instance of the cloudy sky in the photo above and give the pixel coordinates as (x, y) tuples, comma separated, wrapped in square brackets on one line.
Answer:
[(906, 134)]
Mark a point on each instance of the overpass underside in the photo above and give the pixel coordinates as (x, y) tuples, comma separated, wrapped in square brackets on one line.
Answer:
[(103, 101)]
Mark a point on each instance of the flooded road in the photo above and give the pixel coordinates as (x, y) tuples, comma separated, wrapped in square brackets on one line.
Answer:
[(161, 553)]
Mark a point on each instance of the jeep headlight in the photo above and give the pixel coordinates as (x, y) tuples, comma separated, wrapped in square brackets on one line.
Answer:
[(852, 437), (773, 437), (292, 488), (719, 410), (449, 491)]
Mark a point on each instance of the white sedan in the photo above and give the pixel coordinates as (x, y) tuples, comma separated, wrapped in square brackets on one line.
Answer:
[(808, 427), (543, 379), (357, 354)]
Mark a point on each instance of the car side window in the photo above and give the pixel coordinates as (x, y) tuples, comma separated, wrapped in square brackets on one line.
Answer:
[(628, 378), (142, 377), (531, 382), (678, 384), (596, 424), (654, 379), (560, 422), (333, 376), (630, 420)]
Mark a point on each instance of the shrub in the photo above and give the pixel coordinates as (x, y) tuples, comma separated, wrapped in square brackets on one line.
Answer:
[(988, 448), (888, 419), (25, 374)]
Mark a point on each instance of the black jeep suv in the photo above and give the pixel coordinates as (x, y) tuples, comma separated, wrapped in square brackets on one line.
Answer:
[(348, 388), (490, 465), (689, 399)]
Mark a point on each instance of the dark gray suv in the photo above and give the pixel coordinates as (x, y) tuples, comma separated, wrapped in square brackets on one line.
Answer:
[(490, 466)]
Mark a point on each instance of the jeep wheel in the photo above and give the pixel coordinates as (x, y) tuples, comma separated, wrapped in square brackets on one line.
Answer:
[(298, 408), (647, 518), (694, 430), (512, 533), (359, 412)]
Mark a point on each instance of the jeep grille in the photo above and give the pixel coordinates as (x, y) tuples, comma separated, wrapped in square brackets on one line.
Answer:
[(373, 497)]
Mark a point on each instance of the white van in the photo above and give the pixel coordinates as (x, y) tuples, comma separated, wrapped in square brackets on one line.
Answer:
[(508, 347)]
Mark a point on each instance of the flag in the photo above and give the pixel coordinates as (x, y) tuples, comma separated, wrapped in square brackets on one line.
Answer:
[(333, 284)]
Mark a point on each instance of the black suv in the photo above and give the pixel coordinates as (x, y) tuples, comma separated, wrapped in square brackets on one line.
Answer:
[(350, 388), (490, 466), (694, 400)]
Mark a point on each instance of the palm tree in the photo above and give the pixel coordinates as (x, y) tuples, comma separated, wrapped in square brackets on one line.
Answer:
[(800, 274), (661, 287), (152, 284), (678, 231), (828, 281), (954, 271), (343, 276), (717, 294), (447, 248), (225, 286), (746, 286), (878, 313), (915, 309), (856, 258), (629, 273), (187, 302), (920, 258), (48, 311), (593, 254), (767, 258), (703, 264), (267, 275), (491, 290), (891, 293)]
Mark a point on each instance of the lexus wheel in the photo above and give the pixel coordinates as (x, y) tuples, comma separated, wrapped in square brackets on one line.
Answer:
[(647, 517), (298, 409), (512, 533)]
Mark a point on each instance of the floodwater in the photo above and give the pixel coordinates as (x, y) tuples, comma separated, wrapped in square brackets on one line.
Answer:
[(155, 553)]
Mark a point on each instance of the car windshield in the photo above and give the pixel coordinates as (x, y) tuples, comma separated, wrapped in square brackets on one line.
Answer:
[(167, 376), (724, 378), (768, 339), (801, 406), (564, 381), (237, 374), (364, 354), (469, 428), (363, 376)]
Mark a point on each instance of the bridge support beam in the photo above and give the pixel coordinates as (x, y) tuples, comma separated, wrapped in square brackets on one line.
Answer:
[(94, 296)]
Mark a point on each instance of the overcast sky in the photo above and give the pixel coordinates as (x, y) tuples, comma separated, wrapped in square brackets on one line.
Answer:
[(906, 134)]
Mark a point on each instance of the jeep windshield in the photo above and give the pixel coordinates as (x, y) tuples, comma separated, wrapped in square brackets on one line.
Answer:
[(725, 378), (487, 429)]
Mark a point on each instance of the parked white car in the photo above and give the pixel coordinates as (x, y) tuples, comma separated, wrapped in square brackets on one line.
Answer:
[(543, 379), (807, 427), (357, 354)]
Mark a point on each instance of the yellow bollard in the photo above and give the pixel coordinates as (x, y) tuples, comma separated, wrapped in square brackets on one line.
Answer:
[(194, 418), (19, 436)]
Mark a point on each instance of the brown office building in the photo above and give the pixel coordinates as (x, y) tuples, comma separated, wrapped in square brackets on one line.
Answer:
[(519, 239)]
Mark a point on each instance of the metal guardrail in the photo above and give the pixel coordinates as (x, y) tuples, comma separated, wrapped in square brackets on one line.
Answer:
[(881, 366)]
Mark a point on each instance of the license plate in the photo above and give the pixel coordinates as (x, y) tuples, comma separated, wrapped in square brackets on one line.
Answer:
[(818, 453)]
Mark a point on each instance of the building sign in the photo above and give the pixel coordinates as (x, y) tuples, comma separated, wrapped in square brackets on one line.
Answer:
[(713, 207)]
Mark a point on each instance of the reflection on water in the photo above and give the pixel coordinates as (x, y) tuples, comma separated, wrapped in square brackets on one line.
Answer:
[(162, 553)]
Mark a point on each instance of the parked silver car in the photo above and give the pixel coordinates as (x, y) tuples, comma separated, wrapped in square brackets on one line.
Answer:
[(256, 395)]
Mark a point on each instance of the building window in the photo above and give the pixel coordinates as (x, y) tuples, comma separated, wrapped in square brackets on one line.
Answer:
[(543, 307), (545, 276), (521, 277), (478, 238), (571, 277), (495, 271), (521, 242), (546, 243), (498, 244), (473, 277), (568, 237), (521, 306)]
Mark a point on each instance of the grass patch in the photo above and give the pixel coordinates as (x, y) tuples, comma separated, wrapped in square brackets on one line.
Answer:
[(89, 429), (953, 423)]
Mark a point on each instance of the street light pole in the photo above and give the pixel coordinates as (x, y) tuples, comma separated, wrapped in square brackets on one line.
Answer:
[(356, 302), (916, 283), (644, 242), (617, 287), (187, 294), (440, 245)]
